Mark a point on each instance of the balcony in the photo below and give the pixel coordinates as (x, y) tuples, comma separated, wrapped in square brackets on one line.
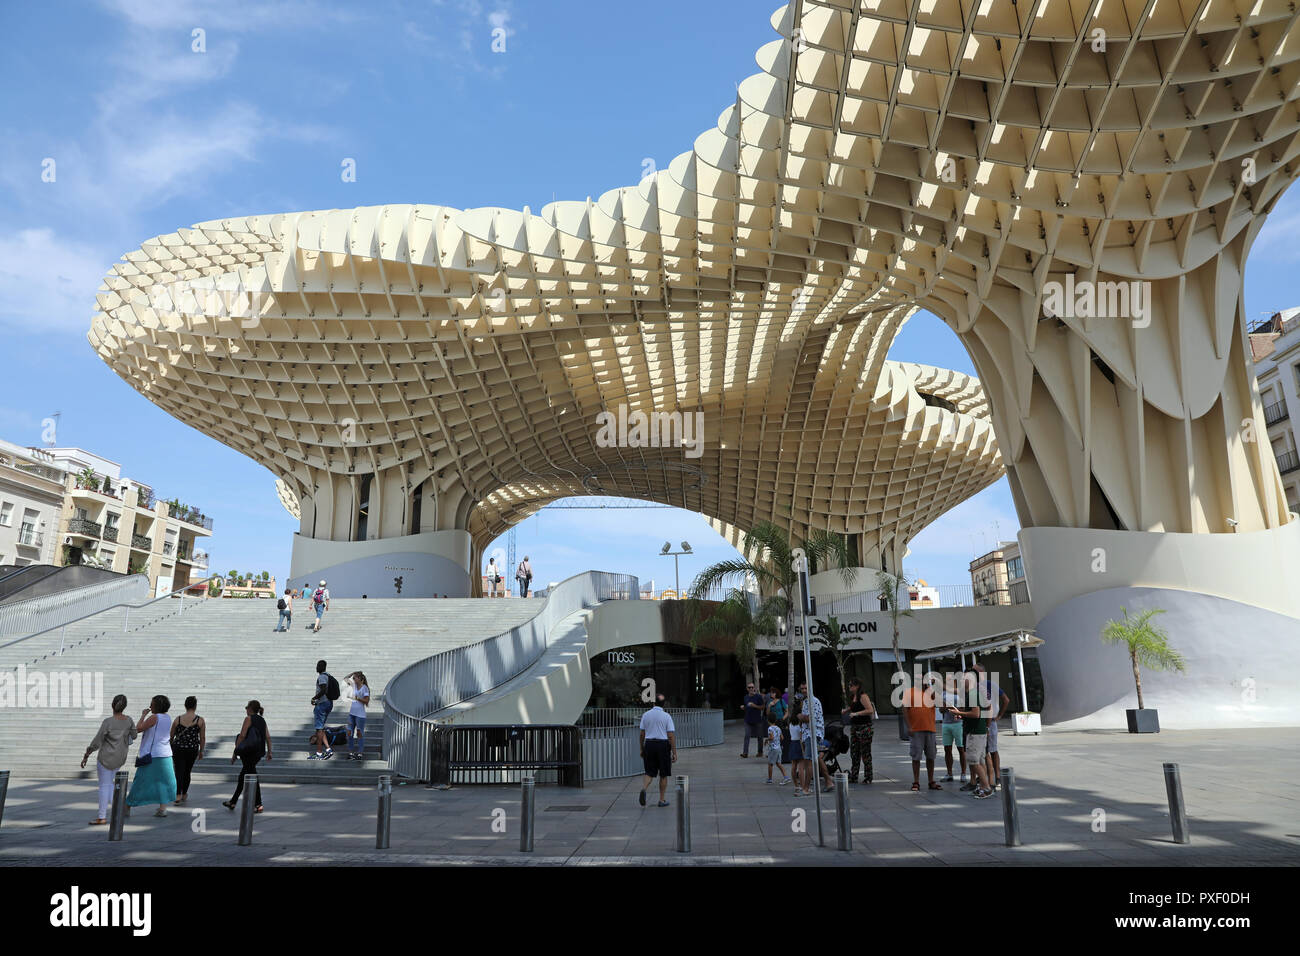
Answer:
[(189, 514), (110, 533), (85, 527), (1276, 412), (30, 538), (141, 543), (1288, 462), (1019, 591)]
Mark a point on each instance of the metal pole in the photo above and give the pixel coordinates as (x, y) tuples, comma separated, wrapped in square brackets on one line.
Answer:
[(1010, 812), (808, 678), (4, 792), (842, 819), (527, 807), (117, 816), (246, 811), (1020, 663), (1177, 809), (677, 576), (683, 813), (63, 635), (126, 622), (384, 825)]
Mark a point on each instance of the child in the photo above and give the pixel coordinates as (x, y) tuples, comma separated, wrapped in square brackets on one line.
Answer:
[(774, 750)]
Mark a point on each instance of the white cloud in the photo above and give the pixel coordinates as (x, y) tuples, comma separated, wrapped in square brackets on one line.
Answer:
[(47, 283)]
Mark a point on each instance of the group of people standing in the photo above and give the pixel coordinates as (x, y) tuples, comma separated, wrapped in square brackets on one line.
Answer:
[(794, 731), (495, 579)]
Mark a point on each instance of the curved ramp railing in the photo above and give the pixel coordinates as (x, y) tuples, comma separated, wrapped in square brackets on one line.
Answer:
[(611, 747), (457, 675), (36, 614)]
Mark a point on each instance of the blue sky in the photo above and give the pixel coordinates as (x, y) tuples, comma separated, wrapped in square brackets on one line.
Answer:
[(148, 136)]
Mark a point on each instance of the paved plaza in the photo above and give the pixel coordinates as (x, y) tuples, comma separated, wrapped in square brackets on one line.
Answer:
[(1239, 787)]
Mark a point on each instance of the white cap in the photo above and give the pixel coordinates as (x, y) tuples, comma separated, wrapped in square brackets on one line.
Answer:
[(322, 584)]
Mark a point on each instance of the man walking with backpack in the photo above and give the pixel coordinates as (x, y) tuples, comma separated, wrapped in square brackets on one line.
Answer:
[(327, 691), (320, 602), (524, 575), (285, 607)]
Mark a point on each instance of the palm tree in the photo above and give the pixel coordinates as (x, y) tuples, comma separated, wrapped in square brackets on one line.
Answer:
[(1147, 643), (891, 588), (733, 618), (770, 563), (835, 642)]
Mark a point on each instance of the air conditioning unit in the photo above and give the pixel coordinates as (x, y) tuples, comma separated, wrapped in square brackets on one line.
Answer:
[(67, 539)]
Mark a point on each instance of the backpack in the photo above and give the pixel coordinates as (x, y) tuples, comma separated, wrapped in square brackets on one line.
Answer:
[(280, 605), (254, 740), (332, 688), (318, 597)]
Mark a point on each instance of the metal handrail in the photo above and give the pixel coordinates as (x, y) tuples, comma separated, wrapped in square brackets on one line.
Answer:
[(21, 617), (431, 685), (126, 624)]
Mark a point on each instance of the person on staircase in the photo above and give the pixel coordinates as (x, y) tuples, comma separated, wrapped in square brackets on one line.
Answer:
[(155, 778), (524, 576), (189, 738), (320, 602), (112, 741), (252, 744), (359, 692), (327, 691)]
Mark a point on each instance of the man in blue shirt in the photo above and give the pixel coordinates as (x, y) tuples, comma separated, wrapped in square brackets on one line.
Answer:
[(755, 705)]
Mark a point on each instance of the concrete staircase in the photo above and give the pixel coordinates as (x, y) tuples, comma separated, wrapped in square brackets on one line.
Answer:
[(226, 652)]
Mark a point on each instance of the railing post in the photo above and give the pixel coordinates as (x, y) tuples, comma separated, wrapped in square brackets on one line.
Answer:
[(683, 813), (385, 822), (126, 622), (528, 806), (1010, 812), (117, 816), (4, 792), (246, 810), (63, 636), (842, 817), (1177, 809)]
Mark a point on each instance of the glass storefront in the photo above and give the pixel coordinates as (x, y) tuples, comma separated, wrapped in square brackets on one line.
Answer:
[(688, 678)]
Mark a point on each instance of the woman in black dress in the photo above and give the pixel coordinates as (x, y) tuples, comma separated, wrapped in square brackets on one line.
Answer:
[(253, 742)]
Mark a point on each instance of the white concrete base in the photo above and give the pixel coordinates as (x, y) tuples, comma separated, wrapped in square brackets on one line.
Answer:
[(1232, 609), (431, 564)]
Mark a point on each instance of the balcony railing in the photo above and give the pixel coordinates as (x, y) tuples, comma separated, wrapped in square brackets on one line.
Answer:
[(28, 538), (110, 533), (1288, 462), (1019, 592), (1276, 412), (86, 527), (141, 542)]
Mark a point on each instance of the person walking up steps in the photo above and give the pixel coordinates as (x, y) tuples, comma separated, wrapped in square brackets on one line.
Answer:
[(112, 741), (252, 744), (359, 691), (285, 607), (189, 738), (320, 602), (327, 691), (524, 576), (493, 575), (155, 778)]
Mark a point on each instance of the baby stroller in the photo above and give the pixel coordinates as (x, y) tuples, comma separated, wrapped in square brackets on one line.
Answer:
[(837, 742)]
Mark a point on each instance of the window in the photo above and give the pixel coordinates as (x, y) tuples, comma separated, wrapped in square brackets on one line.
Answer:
[(110, 519), (1015, 568), (6, 514)]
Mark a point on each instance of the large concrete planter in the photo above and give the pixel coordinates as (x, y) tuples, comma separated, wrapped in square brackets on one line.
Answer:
[(1145, 721)]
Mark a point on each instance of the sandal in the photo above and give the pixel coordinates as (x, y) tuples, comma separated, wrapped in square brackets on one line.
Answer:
[(257, 809), (99, 823), (935, 786), (228, 804), (916, 787)]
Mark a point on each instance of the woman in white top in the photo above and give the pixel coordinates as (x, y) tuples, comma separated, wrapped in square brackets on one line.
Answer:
[(360, 694), (155, 778)]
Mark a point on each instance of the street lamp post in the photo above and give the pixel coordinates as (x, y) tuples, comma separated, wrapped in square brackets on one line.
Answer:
[(801, 582), (667, 550)]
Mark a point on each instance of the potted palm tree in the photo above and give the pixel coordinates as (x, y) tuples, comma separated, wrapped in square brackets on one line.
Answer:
[(892, 587), (1148, 646), (734, 619), (831, 639)]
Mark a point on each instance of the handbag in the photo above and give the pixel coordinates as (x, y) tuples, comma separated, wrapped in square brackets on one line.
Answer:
[(143, 760)]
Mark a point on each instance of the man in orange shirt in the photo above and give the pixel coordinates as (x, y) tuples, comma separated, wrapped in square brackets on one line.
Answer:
[(918, 707)]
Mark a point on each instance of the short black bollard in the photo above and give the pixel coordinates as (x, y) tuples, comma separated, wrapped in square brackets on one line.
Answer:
[(246, 810), (4, 792), (117, 816), (842, 818), (384, 824), (1010, 812), (1177, 809), (527, 809), (683, 814)]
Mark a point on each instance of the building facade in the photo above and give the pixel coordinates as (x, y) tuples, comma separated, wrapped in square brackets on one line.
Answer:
[(998, 577), (1275, 347), (31, 506)]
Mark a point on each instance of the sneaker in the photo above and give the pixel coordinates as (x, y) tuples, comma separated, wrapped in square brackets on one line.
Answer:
[(770, 781), (640, 798), (784, 782), (983, 794), (948, 779), (328, 754), (969, 786), (662, 803), (316, 756), (963, 777)]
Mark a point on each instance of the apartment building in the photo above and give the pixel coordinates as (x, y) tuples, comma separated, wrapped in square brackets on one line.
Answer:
[(31, 504), (998, 577), (1275, 349)]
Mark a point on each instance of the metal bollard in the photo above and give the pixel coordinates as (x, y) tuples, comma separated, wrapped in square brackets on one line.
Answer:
[(117, 816), (842, 819), (1010, 812), (4, 792), (527, 807), (1177, 809), (384, 825), (246, 810), (683, 813)]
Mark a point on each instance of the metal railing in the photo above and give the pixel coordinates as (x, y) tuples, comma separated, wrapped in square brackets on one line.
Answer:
[(500, 753), (420, 691), (1276, 412), (611, 737), (117, 618), (38, 614), (110, 533), (29, 538), (1287, 462), (949, 595), (85, 526), (141, 543)]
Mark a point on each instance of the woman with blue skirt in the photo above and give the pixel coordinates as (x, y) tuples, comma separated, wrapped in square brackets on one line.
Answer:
[(155, 778)]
